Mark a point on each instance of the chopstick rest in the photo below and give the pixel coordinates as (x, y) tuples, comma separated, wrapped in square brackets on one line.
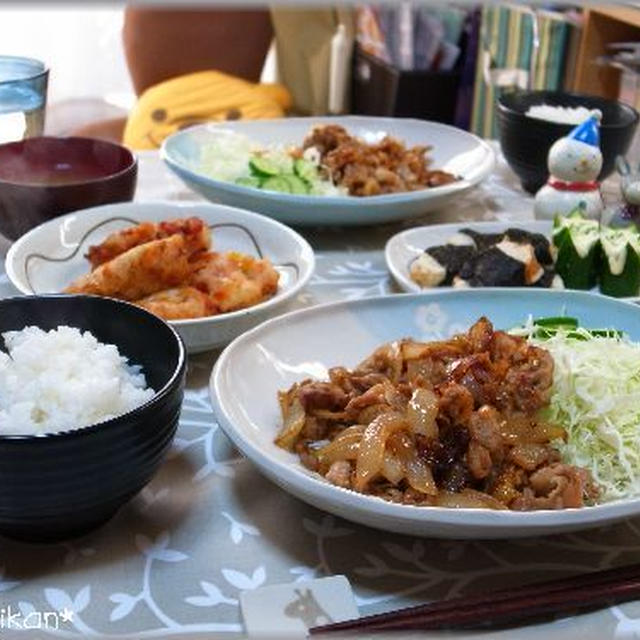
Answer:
[(288, 610), (514, 606)]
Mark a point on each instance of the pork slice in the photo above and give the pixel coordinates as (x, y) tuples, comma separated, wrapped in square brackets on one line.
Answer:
[(382, 393), (530, 456), (366, 381), (340, 474), (527, 384), (427, 371), (480, 335), (557, 486), (476, 374), (484, 428), (322, 395), (455, 404), (503, 346), (478, 460)]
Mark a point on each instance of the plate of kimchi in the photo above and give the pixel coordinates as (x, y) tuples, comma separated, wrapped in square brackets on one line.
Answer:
[(348, 170), (210, 270), (492, 413)]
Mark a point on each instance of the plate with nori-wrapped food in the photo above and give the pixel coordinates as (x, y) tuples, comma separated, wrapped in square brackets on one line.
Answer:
[(480, 254)]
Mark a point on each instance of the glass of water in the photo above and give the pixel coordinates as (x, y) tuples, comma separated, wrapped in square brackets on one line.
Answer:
[(23, 97)]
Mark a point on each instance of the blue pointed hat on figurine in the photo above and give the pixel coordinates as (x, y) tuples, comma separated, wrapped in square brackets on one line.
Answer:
[(589, 131), (574, 164)]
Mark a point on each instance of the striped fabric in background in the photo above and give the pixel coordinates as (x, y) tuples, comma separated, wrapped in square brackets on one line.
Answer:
[(508, 59)]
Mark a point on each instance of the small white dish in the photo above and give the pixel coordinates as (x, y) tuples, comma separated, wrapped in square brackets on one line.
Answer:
[(404, 247), (453, 150), (48, 258), (303, 344)]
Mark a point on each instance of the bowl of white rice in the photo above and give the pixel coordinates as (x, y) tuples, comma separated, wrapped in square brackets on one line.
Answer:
[(90, 394), (529, 122)]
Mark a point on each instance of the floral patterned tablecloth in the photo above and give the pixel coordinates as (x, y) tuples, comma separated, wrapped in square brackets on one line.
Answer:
[(174, 561)]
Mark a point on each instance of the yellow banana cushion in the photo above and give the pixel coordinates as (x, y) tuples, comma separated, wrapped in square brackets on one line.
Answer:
[(199, 97)]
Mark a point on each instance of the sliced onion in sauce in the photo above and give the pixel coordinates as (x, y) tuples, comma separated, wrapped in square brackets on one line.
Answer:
[(343, 447), (294, 420), (417, 470), (412, 350), (372, 447), (422, 411), (396, 361), (392, 467), (468, 499), (521, 429), (370, 413)]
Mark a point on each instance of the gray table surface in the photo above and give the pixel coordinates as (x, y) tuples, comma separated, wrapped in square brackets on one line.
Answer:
[(175, 559)]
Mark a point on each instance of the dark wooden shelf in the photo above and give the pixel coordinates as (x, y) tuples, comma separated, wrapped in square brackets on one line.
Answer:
[(602, 26)]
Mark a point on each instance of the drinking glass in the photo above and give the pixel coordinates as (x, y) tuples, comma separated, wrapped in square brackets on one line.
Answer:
[(23, 97)]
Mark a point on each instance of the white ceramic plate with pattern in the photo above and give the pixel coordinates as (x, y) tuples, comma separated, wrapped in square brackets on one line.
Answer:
[(454, 150), (304, 344), (48, 258)]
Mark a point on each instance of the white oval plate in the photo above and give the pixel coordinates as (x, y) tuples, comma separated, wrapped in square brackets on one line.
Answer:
[(49, 257), (454, 150), (303, 344), (404, 247)]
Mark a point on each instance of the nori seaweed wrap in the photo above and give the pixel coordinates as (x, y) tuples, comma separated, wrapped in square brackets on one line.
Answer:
[(512, 258), (493, 268), (577, 242), (620, 266), (452, 258), (540, 243), (483, 240), (437, 266)]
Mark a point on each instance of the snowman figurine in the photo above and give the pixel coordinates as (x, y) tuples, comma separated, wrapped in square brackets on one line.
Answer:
[(574, 164)]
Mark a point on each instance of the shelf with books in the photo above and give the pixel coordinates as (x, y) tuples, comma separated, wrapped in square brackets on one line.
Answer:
[(521, 48), (603, 26)]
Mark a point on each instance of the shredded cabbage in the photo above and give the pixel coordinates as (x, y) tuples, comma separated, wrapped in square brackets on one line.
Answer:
[(596, 398), (226, 156)]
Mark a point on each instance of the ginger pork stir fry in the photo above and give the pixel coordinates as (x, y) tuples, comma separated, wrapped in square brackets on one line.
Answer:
[(452, 424), (372, 169), (169, 269)]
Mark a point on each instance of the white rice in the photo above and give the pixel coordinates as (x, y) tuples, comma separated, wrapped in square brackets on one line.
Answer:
[(561, 115), (64, 380)]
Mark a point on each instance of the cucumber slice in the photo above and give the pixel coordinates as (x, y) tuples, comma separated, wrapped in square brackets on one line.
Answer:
[(277, 183), (545, 333), (577, 241), (606, 333), (620, 272), (305, 170), (296, 184), (596, 333), (249, 181), (559, 321), (263, 166)]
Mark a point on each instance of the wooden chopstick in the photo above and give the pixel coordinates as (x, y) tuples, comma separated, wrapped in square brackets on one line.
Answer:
[(543, 600)]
